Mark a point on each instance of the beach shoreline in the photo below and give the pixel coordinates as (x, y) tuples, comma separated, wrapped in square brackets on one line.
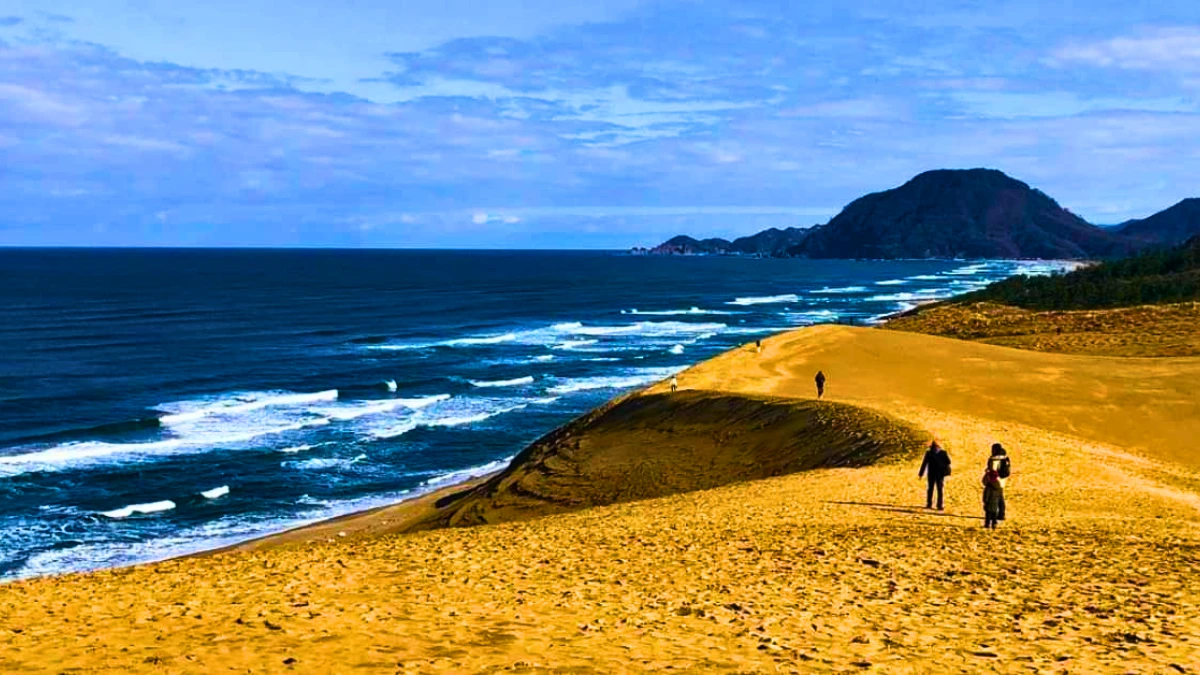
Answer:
[(615, 546), (359, 519)]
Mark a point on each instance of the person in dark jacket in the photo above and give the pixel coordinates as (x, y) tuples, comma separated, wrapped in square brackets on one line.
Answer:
[(1000, 463), (935, 467), (820, 384)]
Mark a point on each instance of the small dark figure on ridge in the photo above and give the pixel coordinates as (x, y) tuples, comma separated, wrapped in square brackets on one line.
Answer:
[(820, 384), (935, 467), (674, 383)]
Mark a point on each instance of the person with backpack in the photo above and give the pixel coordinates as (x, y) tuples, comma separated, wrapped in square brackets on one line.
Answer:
[(820, 379), (993, 496), (936, 466), (1000, 463)]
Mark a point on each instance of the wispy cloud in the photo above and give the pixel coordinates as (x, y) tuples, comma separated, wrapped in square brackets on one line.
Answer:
[(1170, 49)]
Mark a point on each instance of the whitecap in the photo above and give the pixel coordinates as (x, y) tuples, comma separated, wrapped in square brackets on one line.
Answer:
[(841, 290), (574, 344), (152, 507), (502, 383), (484, 340), (677, 349), (765, 300), (232, 404), (693, 311), (215, 492)]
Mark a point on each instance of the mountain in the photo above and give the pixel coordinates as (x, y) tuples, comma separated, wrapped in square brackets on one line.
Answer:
[(1156, 275), (766, 243), (769, 242), (685, 245), (1171, 226), (971, 213)]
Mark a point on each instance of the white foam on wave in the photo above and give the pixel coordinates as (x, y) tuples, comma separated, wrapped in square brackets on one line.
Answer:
[(969, 270), (630, 379), (574, 344), (891, 282), (152, 507), (812, 316), (450, 413), (215, 492), (576, 334), (543, 358), (232, 421), (765, 300), (677, 349), (517, 382), (473, 472), (350, 411), (323, 463), (233, 404), (484, 340), (471, 419), (69, 455), (694, 311), (926, 277), (923, 294), (840, 291), (391, 385)]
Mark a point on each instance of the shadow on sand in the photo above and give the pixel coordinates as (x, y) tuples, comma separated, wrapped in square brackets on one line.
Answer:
[(898, 508)]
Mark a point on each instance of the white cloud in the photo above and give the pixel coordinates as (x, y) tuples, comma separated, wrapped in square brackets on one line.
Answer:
[(479, 218), (1168, 49)]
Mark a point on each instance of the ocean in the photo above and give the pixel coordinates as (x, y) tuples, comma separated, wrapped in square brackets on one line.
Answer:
[(155, 403)]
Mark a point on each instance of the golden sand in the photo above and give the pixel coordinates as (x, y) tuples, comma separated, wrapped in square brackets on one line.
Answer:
[(1096, 570)]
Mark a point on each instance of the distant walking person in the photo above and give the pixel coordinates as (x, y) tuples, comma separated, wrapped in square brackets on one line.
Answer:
[(674, 383), (999, 463), (758, 346), (935, 467), (820, 384)]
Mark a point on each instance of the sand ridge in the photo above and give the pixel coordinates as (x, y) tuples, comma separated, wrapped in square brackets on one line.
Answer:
[(833, 570)]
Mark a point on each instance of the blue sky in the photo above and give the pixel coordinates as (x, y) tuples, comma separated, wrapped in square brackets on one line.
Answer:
[(535, 124)]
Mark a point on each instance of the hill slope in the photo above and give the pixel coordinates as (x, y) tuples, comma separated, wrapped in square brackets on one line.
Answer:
[(1169, 226), (973, 213)]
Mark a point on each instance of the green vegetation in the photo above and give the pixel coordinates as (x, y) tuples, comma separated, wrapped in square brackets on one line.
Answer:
[(1155, 276)]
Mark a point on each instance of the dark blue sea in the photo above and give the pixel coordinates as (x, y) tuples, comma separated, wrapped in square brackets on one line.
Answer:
[(160, 402)]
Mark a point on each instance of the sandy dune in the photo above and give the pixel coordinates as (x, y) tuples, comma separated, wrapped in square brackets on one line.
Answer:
[(828, 570)]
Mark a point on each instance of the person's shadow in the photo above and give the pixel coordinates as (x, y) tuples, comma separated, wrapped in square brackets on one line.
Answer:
[(898, 508)]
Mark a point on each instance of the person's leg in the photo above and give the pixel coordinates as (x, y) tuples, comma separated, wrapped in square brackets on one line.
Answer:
[(941, 483), (1000, 506), (929, 492)]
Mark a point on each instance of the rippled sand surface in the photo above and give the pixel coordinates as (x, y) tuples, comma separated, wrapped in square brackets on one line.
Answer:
[(830, 570)]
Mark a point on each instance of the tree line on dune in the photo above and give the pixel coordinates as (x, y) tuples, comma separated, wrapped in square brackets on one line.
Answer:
[(1155, 276)]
